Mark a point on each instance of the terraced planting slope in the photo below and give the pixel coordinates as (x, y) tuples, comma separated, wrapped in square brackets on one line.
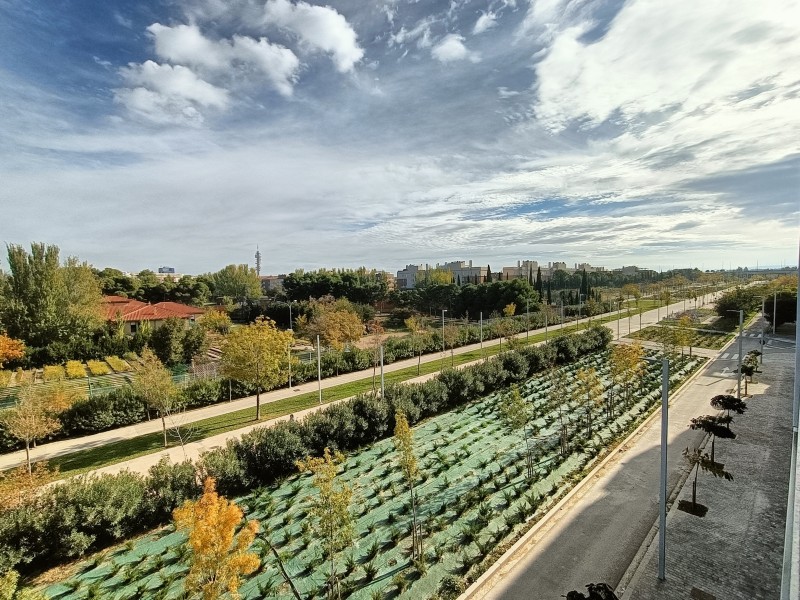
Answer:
[(699, 338), (474, 494)]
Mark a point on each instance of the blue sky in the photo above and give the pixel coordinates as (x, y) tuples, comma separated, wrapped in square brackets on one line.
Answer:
[(351, 133)]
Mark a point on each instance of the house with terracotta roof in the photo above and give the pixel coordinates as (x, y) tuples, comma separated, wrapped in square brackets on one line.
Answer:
[(133, 313)]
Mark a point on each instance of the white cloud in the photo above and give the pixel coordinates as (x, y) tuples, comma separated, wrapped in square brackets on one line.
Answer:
[(451, 48), (485, 21), (320, 27), (185, 44), (166, 93)]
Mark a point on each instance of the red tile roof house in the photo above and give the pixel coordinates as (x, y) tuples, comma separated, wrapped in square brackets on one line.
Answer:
[(134, 312)]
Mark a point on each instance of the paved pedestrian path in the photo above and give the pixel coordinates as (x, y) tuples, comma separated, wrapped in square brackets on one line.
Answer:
[(620, 327), (735, 552)]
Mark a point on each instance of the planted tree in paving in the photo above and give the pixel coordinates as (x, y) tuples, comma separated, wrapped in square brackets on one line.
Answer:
[(331, 508), (589, 393), (153, 383), (716, 425), (219, 556), (30, 419), (730, 404), (256, 355), (404, 442), (698, 460)]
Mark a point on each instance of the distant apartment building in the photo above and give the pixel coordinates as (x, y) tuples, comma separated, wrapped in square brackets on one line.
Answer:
[(464, 273), (408, 277), (523, 270), (588, 268), (272, 282)]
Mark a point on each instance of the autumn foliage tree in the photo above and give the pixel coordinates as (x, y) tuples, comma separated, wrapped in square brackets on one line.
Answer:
[(153, 383), (30, 419), (589, 393), (404, 443), (10, 349), (256, 355), (219, 555), (331, 509)]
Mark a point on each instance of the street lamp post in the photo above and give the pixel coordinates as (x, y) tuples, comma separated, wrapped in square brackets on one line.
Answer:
[(739, 370), (290, 316), (319, 372), (444, 310), (662, 487), (481, 317), (527, 317)]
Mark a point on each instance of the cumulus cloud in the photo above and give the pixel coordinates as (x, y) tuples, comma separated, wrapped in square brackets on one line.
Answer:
[(185, 44), (485, 21), (451, 48), (320, 27), (166, 93)]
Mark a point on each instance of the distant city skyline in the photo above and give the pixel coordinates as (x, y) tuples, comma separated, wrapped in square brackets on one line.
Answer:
[(340, 133)]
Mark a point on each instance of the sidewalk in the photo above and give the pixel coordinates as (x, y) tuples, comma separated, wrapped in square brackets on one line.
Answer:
[(736, 550), (620, 328)]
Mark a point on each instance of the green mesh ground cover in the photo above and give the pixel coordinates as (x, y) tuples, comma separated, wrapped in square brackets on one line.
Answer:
[(472, 495), (698, 338)]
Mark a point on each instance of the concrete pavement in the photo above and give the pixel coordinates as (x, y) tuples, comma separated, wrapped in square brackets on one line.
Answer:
[(735, 552)]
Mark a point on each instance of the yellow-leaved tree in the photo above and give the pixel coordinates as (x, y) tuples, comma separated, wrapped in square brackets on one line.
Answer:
[(331, 508), (10, 349), (153, 383), (256, 355), (219, 556), (30, 419), (404, 443)]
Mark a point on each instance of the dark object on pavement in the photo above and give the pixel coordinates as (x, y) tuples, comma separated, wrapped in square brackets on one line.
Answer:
[(597, 591)]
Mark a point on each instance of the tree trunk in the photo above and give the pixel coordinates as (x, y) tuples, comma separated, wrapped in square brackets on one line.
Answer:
[(163, 427), (694, 486), (419, 362), (712, 448), (258, 403), (28, 455), (284, 573)]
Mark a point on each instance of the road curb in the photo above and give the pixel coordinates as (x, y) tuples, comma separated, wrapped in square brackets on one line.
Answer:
[(514, 553)]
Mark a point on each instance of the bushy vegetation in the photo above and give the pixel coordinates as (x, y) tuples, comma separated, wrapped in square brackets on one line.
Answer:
[(68, 520)]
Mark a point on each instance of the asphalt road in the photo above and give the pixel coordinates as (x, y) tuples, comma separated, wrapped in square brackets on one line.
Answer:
[(597, 536)]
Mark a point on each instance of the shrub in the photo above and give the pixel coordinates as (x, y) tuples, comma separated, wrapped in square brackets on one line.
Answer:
[(117, 408), (168, 486), (451, 587), (203, 392), (53, 373), (5, 378), (75, 369), (119, 365), (98, 367)]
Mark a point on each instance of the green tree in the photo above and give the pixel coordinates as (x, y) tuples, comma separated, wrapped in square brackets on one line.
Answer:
[(166, 341), (683, 333), (698, 460), (30, 419), (46, 303), (240, 282), (256, 355), (331, 509), (416, 325), (404, 443), (589, 393), (153, 383), (514, 415), (715, 425), (729, 404)]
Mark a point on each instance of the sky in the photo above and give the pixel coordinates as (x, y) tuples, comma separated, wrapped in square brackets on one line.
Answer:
[(348, 133)]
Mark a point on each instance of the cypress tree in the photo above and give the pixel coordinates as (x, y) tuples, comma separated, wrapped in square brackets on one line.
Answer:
[(538, 286), (488, 274)]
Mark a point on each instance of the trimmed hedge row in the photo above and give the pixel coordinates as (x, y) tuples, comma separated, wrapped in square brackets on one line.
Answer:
[(86, 514)]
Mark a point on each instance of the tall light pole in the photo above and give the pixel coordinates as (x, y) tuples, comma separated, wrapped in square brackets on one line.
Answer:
[(527, 317), (290, 315), (662, 486), (382, 394), (739, 370), (545, 324), (319, 372), (444, 310), (481, 316)]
